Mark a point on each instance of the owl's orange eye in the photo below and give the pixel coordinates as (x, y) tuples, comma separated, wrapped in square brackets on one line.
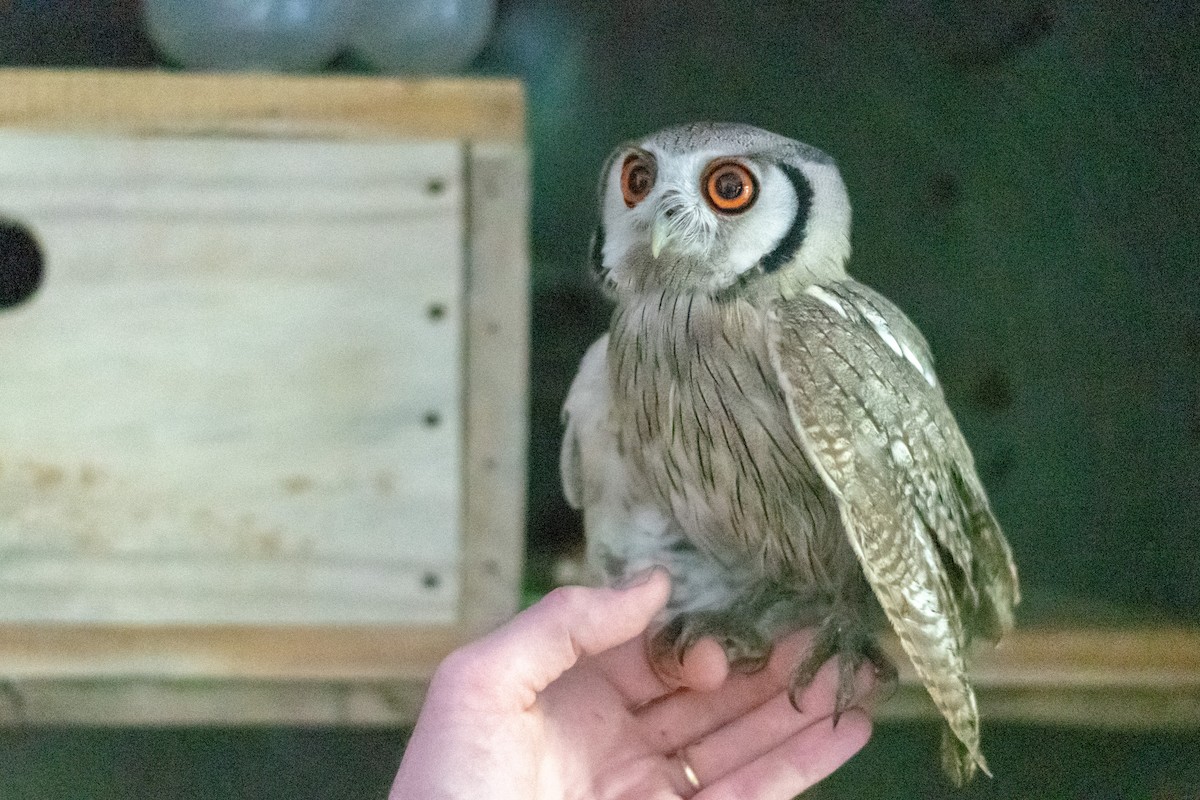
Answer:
[(637, 179), (729, 187)]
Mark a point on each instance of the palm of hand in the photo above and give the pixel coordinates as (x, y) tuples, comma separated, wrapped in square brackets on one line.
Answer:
[(616, 731), (608, 728)]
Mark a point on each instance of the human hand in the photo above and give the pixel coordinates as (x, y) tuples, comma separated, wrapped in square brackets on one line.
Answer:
[(562, 703)]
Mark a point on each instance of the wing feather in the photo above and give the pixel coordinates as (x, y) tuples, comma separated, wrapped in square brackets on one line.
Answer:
[(871, 416)]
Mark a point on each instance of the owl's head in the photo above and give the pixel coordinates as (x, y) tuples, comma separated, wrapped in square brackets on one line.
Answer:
[(708, 207)]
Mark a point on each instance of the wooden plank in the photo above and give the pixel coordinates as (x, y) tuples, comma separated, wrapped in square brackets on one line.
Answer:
[(1096, 658), (1133, 679), (1113, 708), (230, 401), (173, 703), (1115, 678), (497, 376), (157, 102), (113, 653), (1099, 658)]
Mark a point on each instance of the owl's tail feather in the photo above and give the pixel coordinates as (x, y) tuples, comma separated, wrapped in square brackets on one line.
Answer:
[(958, 760), (938, 661)]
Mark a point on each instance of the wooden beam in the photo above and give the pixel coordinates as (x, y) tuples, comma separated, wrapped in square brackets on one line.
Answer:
[(1134, 679), (496, 382), (154, 102), (222, 652), (1112, 678), (174, 703), (1082, 657)]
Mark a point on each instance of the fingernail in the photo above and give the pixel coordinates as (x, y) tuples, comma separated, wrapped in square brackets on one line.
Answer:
[(637, 578)]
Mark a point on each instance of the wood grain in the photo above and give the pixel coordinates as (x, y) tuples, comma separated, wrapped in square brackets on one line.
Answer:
[(151, 103), (229, 401), (74, 652), (280, 316), (497, 376)]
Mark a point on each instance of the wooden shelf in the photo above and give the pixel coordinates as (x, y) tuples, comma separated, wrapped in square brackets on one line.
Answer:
[(1139, 678), (217, 675), (1113, 678)]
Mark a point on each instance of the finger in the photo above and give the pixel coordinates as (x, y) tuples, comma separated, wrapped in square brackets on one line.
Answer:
[(686, 716), (795, 765), (628, 669), (544, 641), (705, 666), (764, 728)]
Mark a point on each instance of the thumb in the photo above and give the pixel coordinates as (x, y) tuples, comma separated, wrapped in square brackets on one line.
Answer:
[(541, 643)]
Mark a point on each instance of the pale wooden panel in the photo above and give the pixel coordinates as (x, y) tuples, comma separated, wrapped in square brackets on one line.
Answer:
[(235, 179), (230, 400), (150, 102), (70, 672), (497, 303)]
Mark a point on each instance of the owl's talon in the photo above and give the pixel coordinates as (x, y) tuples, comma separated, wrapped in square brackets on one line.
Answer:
[(852, 646), (745, 649)]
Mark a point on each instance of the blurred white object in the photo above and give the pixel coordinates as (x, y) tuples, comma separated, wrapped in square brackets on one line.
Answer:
[(422, 35), (289, 35)]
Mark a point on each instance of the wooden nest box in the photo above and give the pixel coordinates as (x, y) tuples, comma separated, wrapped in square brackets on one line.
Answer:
[(263, 367)]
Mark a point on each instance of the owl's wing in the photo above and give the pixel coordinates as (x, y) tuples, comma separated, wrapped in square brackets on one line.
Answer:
[(627, 529), (861, 391), (587, 428)]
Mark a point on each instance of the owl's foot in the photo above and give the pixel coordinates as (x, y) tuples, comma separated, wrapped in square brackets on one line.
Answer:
[(745, 649), (852, 645)]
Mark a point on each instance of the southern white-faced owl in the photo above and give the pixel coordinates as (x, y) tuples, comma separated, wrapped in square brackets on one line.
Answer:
[(771, 430)]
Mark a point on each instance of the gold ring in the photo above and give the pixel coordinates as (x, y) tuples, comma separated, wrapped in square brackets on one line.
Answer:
[(689, 774)]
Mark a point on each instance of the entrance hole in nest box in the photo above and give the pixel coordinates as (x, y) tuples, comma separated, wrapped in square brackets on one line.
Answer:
[(21, 264)]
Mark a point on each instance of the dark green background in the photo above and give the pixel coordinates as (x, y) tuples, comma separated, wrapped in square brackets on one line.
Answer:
[(1025, 186), (1024, 177)]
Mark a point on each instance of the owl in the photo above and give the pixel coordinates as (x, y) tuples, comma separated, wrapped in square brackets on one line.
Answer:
[(772, 431)]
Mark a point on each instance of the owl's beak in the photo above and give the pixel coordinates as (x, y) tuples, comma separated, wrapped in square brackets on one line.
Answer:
[(678, 226), (662, 232)]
